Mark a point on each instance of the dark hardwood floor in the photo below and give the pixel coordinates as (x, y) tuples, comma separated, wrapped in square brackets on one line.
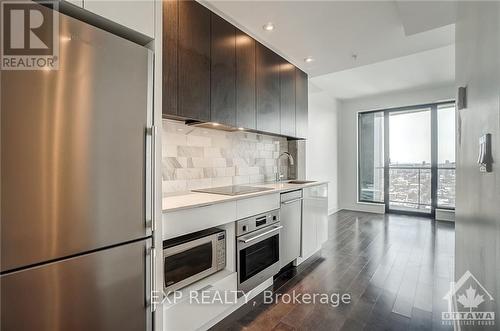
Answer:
[(396, 268)]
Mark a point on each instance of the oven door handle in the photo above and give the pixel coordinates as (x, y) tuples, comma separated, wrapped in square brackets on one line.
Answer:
[(276, 228)]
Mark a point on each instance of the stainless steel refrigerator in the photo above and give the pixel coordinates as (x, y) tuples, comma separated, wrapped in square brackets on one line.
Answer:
[(76, 187)]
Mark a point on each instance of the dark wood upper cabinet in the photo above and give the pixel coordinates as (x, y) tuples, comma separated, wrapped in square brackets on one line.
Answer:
[(194, 60), (170, 46), (186, 67), (214, 72), (223, 72), (268, 90), (301, 103), (287, 98), (245, 81)]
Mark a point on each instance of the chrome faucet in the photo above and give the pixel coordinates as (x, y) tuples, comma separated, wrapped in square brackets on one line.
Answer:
[(279, 175)]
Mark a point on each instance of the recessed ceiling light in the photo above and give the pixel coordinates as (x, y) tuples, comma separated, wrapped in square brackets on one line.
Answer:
[(308, 59), (241, 129), (268, 27)]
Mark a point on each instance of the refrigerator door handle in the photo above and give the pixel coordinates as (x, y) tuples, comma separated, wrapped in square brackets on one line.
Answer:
[(151, 136), (155, 296), (153, 170)]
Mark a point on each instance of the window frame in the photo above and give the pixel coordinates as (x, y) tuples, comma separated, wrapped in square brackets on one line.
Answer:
[(434, 157)]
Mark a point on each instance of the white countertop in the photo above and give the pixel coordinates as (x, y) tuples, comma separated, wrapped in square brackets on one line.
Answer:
[(186, 200)]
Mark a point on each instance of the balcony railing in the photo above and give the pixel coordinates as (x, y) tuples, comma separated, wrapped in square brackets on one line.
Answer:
[(410, 188), (446, 187)]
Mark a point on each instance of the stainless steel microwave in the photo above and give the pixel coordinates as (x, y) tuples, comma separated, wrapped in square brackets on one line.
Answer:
[(189, 258)]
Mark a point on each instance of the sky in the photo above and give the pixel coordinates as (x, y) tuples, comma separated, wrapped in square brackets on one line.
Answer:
[(410, 136)]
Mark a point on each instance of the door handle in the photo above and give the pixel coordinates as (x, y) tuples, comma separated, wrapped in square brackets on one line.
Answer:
[(261, 234)]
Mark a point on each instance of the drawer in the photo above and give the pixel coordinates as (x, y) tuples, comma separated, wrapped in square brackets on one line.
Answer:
[(195, 313), (293, 195), (195, 219), (253, 206)]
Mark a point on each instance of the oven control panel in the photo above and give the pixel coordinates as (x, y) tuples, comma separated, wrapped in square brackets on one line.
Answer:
[(256, 222)]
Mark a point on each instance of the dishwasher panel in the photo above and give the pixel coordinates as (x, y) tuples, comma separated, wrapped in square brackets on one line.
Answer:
[(291, 219)]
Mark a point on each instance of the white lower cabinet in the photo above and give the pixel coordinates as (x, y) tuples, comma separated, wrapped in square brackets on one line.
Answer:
[(178, 223), (314, 220), (256, 205), (309, 235), (198, 307), (290, 219), (322, 219)]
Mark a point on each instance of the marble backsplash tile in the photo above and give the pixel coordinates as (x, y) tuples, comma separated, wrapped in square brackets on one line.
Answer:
[(194, 158)]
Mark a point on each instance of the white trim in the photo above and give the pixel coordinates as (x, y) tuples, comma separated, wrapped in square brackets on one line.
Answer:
[(366, 208), (371, 203)]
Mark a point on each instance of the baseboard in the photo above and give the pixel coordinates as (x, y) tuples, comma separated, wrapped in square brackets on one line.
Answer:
[(333, 210), (366, 207)]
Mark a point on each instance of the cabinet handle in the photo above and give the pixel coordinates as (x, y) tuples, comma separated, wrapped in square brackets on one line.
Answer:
[(291, 201)]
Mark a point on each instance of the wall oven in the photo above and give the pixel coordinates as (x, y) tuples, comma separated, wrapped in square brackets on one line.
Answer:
[(189, 258), (258, 249)]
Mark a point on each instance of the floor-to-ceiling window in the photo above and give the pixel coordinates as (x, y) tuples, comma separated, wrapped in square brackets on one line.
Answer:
[(371, 160), (407, 158), (410, 160)]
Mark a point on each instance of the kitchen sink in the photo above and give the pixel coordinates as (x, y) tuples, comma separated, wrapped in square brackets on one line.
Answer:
[(301, 181)]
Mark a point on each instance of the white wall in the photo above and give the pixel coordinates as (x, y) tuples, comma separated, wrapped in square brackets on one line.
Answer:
[(322, 144), (348, 166), (477, 224)]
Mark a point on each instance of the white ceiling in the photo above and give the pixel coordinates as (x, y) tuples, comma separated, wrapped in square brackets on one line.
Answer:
[(435, 13), (331, 31), (426, 69)]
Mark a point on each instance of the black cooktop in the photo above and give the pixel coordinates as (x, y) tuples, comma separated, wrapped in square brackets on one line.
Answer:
[(233, 190)]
